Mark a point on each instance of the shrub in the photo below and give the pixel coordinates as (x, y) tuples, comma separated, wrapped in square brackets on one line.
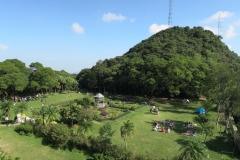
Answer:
[(59, 135), (41, 130), (100, 156), (87, 113), (24, 129)]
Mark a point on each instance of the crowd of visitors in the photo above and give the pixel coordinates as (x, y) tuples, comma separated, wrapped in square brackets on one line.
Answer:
[(168, 124)]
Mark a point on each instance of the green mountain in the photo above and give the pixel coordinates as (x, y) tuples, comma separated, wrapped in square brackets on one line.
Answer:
[(186, 42), (173, 62)]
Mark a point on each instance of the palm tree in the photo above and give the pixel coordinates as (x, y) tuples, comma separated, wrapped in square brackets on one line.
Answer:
[(85, 127), (6, 107), (127, 130), (194, 150), (62, 81), (21, 107), (53, 113)]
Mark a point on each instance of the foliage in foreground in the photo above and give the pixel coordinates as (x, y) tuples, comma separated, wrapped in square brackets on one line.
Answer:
[(99, 146), (194, 150)]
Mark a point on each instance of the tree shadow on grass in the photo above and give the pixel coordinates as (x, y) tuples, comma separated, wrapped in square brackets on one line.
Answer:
[(182, 142), (46, 142), (177, 111), (223, 143)]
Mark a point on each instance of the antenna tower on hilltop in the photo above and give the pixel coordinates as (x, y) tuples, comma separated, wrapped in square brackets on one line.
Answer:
[(170, 14), (219, 24)]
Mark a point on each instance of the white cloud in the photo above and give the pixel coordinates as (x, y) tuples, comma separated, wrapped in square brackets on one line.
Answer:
[(113, 17), (237, 23), (214, 30), (77, 28), (154, 28), (3, 47), (132, 20), (219, 14), (230, 32)]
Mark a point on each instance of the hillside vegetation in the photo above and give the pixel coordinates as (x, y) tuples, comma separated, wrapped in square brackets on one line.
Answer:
[(173, 62)]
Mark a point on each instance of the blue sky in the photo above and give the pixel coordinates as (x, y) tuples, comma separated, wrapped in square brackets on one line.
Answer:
[(75, 34)]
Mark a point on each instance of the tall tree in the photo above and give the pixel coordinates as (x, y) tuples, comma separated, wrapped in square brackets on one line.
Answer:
[(219, 85), (12, 79), (208, 129), (127, 130), (201, 119)]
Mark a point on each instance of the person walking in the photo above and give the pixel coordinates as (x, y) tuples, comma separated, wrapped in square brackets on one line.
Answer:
[(7, 120)]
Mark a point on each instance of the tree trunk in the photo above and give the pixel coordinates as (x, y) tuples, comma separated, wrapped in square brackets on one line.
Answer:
[(125, 143), (43, 116), (218, 114), (205, 138), (72, 121), (5, 94), (229, 115)]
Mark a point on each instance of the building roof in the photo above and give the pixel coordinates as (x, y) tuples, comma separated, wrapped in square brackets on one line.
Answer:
[(99, 95)]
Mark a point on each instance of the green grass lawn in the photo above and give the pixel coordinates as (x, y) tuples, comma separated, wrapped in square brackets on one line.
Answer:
[(52, 99), (31, 148), (145, 140), (165, 145)]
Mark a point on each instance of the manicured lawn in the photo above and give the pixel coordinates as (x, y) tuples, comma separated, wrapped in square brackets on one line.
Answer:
[(161, 144), (145, 140), (52, 99), (31, 148)]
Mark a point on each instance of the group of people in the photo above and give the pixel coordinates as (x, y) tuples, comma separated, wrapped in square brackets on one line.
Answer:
[(169, 127), (169, 124)]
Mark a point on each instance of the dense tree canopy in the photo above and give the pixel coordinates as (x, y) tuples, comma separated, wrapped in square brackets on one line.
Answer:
[(173, 62), (17, 80)]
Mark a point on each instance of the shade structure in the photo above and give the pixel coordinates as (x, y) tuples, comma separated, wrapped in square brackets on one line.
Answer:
[(99, 100), (201, 111)]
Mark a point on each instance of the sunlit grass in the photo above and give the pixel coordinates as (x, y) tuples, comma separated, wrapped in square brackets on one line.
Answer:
[(29, 148), (145, 139)]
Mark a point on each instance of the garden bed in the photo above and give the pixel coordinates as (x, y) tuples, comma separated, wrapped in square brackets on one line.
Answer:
[(110, 113)]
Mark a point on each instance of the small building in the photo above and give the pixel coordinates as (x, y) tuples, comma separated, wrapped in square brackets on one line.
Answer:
[(99, 100)]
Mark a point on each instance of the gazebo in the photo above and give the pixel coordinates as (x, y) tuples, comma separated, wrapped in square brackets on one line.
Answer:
[(99, 100)]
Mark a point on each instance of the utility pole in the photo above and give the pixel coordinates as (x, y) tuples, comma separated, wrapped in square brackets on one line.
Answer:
[(219, 25), (170, 14)]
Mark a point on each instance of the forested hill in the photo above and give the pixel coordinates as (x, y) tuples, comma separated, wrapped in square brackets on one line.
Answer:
[(186, 42), (172, 62)]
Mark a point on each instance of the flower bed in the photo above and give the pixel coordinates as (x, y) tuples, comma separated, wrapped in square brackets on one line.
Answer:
[(124, 105), (110, 113)]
